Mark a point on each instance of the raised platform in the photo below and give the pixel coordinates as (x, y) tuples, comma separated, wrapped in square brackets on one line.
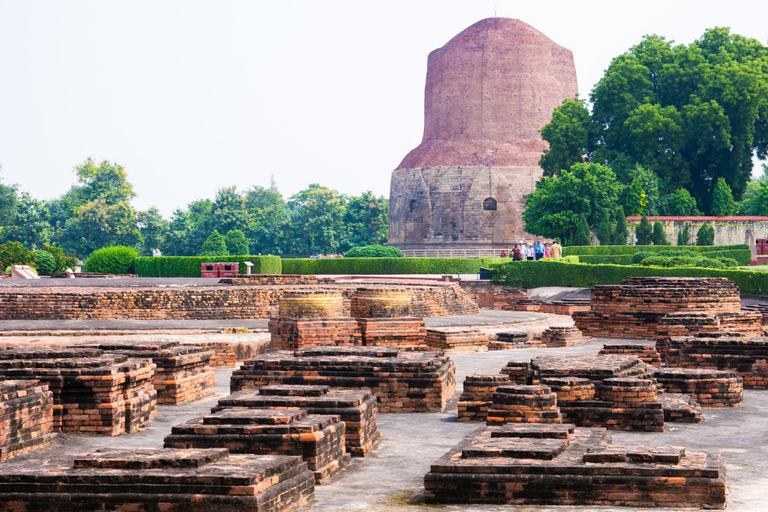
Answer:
[(26, 417), (536, 464), (147, 480), (456, 339)]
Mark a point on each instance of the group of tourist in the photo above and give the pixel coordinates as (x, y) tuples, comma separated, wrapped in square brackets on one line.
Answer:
[(326, 256), (537, 251)]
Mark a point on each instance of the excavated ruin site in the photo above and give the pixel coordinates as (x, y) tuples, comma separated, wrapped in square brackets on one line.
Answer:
[(384, 395)]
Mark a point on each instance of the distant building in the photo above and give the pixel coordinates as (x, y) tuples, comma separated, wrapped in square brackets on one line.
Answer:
[(489, 91)]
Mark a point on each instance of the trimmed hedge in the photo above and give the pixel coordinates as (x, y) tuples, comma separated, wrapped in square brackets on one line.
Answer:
[(189, 266), (605, 250), (534, 274), (742, 256), (117, 259), (374, 251), (388, 265)]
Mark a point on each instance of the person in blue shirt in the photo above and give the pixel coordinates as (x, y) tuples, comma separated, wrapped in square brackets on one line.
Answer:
[(538, 249)]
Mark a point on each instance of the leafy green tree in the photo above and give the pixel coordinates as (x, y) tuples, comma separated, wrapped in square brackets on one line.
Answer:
[(30, 222), (269, 220), (659, 237), (154, 230), (637, 201), (214, 245), (691, 114), (680, 203), (604, 233), (755, 199), (570, 136), (723, 204), (649, 182), (644, 232), (46, 263), (228, 211), (622, 232), (705, 235), (100, 224), (553, 208), (106, 182), (236, 242), (582, 236), (684, 236), (316, 221), (15, 253), (8, 203), (367, 220)]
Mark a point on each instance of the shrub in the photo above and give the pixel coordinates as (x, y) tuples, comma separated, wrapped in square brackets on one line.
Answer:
[(388, 265), (582, 231), (235, 241), (689, 261), (46, 263), (622, 232), (684, 236), (374, 251), (64, 260), (112, 260), (214, 245), (189, 266), (706, 235), (15, 253), (534, 274), (644, 232), (659, 237)]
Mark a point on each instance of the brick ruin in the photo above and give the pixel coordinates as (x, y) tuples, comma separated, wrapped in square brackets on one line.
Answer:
[(506, 340), (318, 439), (357, 409), (183, 373), (646, 353), (515, 299), (523, 404), (310, 318), (456, 339), (383, 315), (93, 391), (710, 388), (558, 337), (551, 464), (149, 480), (233, 301), (637, 308), (477, 395), (402, 381), (26, 417)]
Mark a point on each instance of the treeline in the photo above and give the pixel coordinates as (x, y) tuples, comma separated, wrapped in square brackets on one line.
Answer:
[(97, 212)]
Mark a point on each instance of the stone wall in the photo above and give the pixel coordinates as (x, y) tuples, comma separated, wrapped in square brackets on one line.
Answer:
[(728, 230)]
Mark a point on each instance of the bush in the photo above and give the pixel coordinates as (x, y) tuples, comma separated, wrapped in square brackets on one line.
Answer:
[(582, 236), (689, 261), (214, 245), (189, 266), (388, 265), (15, 253), (684, 236), (706, 235), (236, 243), (644, 232), (535, 274), (64, 260), (374, 251), (659, 237), (112, 260), (46, 263)]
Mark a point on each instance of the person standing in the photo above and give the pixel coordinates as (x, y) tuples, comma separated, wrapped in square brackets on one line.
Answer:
[(557, 249), (529, 253), (538, 250), (517, 253)]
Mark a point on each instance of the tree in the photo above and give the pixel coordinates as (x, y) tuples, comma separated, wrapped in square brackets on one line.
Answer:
[(316, 221), (691, 114), (755, 199), (684, 236), (228, 211), (367, 220), (554, 207), (644, 232), (107, 182), (269, 220), (8, 203), (236, 242), (214, 245), (570, 137), (622, 232), (604, 230), (30, 222), (154, 230), (659, 237), (637, 201), (99, 224), (649, 182), (706, 235), (680, 203), (582, 236), (723, 204)]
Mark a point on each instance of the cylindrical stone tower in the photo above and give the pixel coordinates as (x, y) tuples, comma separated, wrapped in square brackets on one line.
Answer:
[(489, 91)]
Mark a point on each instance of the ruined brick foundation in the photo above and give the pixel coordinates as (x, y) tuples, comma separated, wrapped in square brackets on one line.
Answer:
[(26, 417)]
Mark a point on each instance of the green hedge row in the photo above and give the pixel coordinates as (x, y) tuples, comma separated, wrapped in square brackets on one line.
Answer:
[(742, 256), (604, 250), (189, 266), (388, 265), (534, 274)]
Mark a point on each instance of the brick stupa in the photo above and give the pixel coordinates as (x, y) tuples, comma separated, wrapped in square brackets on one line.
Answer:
[(489, 91)]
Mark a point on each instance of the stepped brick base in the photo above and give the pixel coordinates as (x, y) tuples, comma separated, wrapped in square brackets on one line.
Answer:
[(680, 408), (710, 388), (399, 332), (523, 404), (158, 480), (183, 372), (224, 354), (570, 389), (747, 356), (402, 381), (457, 339), (557, 337), (537, 464), (356, 408), (518, 372), (512, 339), (646, 353), (748, 323), (94, 392), (296, 333), (318, 439), (594, 368), (477, 396), (26, 417)]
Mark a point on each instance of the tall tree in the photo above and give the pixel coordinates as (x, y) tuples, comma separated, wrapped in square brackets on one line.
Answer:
[(154, 230), (99, 224), (622, 232), (316, 221), (366, 217), (723, 204), (637, 200), (644, 232), (582, 235), (570, 136)]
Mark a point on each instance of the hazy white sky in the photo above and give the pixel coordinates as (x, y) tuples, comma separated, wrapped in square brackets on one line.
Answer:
[(192, 96)]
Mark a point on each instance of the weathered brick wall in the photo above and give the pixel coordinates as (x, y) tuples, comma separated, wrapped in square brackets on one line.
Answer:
[(202, 303)]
